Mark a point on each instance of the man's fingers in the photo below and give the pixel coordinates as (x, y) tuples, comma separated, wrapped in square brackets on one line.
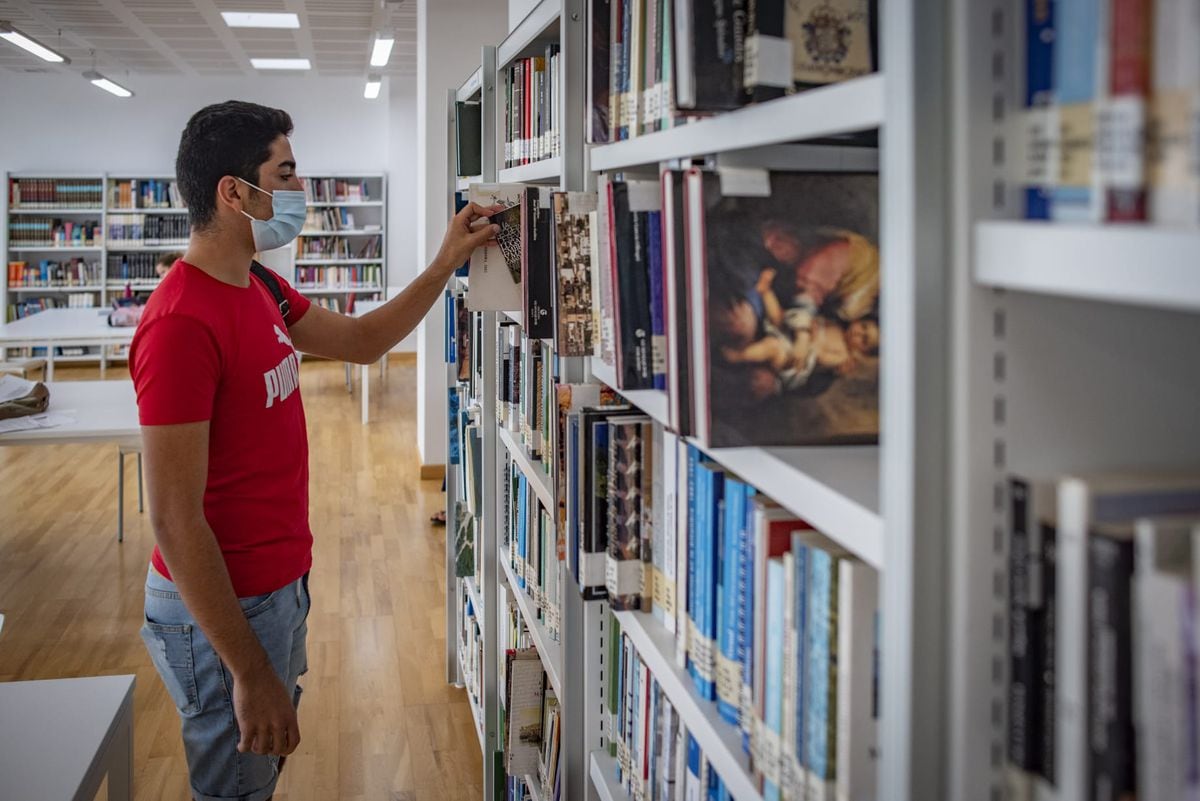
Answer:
[(293, 739), (484, 235), (246, 741)]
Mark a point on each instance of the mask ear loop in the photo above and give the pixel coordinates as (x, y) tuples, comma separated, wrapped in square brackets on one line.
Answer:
[(255, 186)]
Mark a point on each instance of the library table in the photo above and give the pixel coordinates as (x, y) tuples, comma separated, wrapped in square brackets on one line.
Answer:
[(60, 738), (55, 328)]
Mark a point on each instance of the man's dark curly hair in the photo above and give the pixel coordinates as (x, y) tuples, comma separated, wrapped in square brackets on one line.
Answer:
[(230, 138)]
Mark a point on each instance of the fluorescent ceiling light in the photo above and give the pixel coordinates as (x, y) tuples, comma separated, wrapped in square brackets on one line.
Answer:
[(8, 32), (382, 50), (104, 83), (260, 19), (372, 88), (280, 64)]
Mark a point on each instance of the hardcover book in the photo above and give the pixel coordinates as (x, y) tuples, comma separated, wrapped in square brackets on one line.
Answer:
[(832, 40), (537, 268), (574, 333), (786, 281), (495, 275), (624, 569)]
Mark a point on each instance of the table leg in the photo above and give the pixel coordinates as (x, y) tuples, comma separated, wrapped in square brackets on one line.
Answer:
[(120, 496), (120, 761), (365, 377), (49, 361), (103, 361), (349, 378)]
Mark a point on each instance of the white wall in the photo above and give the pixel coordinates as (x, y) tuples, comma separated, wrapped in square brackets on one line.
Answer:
[(450, 34), (517, 9)]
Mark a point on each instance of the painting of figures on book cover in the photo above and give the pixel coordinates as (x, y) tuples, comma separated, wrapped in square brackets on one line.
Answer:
[(793, 311)]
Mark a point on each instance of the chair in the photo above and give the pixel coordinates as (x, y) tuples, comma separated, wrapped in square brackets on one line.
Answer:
[(24, 367), (123, 450)]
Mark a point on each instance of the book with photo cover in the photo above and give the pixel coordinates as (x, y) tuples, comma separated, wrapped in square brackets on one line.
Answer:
[(784, 277), (573, 265), (495, 276)]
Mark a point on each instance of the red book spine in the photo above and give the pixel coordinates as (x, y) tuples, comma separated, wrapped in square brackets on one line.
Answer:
[(1129, 76)]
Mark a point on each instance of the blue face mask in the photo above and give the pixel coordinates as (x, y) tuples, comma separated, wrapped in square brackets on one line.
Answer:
[(290, 209)]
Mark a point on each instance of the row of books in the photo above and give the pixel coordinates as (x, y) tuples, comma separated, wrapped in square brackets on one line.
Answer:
[(754, 303), (532, 97), (330, 190), (329, 219), (530, 541), (145, 193), (132, 266), (468, 122), (1110, 127), (526, 393), (46, 193), (147, 229), (49, 273), (1104, 683), (531, 715), (27, 306), (53, 232), (654, 63), (327, 247), (470, 646), (353, 277), (335, 304)]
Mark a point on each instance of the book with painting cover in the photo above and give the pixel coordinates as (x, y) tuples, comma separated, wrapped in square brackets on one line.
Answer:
[(832, 40), (785, 278), (495, 275), (574, 332), (537, 264)]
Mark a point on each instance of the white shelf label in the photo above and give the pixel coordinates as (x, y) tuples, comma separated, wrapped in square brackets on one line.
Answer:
[(1037, 155), (1121, 142)]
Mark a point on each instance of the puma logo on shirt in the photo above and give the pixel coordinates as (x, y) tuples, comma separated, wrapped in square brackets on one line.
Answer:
[(284, 378)]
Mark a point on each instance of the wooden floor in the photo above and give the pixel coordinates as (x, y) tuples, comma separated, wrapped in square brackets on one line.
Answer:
[(378, 721)]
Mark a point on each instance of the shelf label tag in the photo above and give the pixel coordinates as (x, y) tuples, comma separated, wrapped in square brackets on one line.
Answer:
[(1036, 160), (745, 181)]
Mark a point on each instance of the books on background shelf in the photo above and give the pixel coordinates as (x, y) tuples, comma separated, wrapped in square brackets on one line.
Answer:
[(24, 307), (26, 231), (1112, 112), (1103, 586), (351, 277), (338, 247), (532, 94), (131, 267), (331, 219), (331, 190), (338, 305), (652, 64), (54, 274), (495, 273), (470, 646), (141, 193), (468, 129), (138, 230), (61, 193)]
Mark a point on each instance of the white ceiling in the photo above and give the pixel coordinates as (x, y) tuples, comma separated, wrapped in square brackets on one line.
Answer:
[(189, 37)]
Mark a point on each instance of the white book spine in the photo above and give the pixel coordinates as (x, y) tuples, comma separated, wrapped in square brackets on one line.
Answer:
[(857, 723), (681, 557), (670, 531), (1071, 734)]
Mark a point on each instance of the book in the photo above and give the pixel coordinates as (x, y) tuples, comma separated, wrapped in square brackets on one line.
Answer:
[(832, 40), (729, 675), (495, 275), (857, 702), (820, 703), (1040, 121), (537, 264), (1122, 118), (708, 44), (468, 131), (707, 533), (1076, 59), (523, 707), (658, 322), (602, 297), (624, 577), (777, 601), (1172, 168), (599, 22), (786, 354), (629, 205), (769, 69), (677, 310), (573, 302)]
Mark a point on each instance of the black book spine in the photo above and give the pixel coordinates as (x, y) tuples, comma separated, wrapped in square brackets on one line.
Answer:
[(601, 65), (1049, 613), (718, 78), (539, 322), (764, 18), (632, 293), (682, 344), (1110, 733), (1023, 638)]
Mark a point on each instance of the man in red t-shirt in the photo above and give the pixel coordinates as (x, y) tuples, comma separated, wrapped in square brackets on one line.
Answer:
[(217, 378)]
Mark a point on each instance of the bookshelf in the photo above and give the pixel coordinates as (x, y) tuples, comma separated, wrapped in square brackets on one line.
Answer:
[(348, 214)]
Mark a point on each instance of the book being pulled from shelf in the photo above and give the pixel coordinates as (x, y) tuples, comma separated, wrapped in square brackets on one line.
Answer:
[(27, 231), (61, 193), (532, 92), (495, 274), (1111, 111), (1103, 688), (49, 273)]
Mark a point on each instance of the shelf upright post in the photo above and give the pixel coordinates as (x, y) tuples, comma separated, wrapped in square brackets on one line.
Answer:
[(914, 401), (453, 603)]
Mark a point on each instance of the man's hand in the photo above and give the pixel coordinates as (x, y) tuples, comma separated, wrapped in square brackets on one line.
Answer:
[(266, 717), (465, 233)]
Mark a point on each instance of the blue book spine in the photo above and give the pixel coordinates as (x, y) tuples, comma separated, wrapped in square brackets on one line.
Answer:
[(1039, 85), (693, 456), (745, 623), (1074, 70), (701, 587), (731, 591), (716, 505), (773, 702), (800, 554), (658, 319), (692, 786), (522, 527), (820, 691)]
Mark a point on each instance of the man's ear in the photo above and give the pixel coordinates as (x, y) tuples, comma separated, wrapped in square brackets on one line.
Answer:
[(231, 193)]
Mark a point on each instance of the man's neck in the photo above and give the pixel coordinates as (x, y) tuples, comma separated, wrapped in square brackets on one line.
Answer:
[(225, 261)]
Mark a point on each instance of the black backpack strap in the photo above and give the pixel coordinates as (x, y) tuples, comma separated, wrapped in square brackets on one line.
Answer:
[(268, 278)]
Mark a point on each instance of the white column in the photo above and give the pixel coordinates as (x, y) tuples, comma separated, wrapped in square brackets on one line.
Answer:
[(450, 34)]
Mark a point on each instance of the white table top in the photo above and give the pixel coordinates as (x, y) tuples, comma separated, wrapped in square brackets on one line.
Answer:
[(64, 324), (104, 411), (53, 732)]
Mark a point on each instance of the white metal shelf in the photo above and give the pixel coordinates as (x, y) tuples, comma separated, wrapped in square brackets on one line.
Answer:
[(340, 203), (720, 741), (56, 248), (471, 703), (538, 479), (56, 210), (603, 770), (126, 210), (853, 105), (336, 262), (1131, 264), (119, 284), (548, 649), (539, 25), (344, 232), (471, 87), (88, 288), (651, 401), (544, 170), (311, 290), (473, 594), (133, 247), (535, 787)]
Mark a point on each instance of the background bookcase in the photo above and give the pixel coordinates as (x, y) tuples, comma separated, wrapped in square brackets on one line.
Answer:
[(123, 260), (867, 499)]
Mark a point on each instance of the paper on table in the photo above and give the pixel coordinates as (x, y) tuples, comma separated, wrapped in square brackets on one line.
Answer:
[(30, 422), (12, 388)]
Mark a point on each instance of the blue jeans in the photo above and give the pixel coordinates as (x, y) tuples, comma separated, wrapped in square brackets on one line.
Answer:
[(202, 688)]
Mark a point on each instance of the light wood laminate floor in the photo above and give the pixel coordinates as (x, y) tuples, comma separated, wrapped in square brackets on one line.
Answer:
[(378, 721)]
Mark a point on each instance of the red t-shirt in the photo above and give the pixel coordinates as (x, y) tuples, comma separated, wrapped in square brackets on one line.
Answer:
[(208, 350)]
